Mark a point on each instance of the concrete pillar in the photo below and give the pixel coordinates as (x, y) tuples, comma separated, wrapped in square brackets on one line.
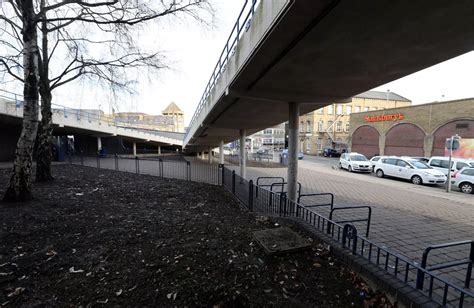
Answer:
[(99, 144), (134, 149), (428, 145), (243, 160), (293, 140), (382, 144), (251, 145), (159, 150), (221, 152), (210, 155)]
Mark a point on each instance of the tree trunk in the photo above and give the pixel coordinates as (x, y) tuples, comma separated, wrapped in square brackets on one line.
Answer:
[(45, 130), (19, 188), (43, 141)]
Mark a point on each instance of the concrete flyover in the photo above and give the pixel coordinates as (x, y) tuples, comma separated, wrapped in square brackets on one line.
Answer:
[(316, 52), (83, 124)]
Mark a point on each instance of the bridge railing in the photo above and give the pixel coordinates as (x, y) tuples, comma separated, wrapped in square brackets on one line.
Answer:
[(241, 25), (15, 102)]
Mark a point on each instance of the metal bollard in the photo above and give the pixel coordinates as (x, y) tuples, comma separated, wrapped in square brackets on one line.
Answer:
[(116, 162), (98, 160), (137, 165)]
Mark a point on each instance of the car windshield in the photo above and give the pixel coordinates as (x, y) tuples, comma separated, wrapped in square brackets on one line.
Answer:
[(471, 164), (358, 158), (419, 164)]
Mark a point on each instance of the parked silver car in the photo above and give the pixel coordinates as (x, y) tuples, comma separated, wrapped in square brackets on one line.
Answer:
[(464, 180)]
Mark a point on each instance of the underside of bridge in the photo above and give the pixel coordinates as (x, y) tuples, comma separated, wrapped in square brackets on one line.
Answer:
[(321, 52)]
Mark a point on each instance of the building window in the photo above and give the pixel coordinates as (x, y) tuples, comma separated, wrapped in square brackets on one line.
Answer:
[(357, 109), (318, 143), (339, 126), (320, 111), (320, 125), (330, 126), (308, 145), (267, 131), (339, 109), (347, 126), (308, 126), (348, 110), (301, 127), (330, 109), (366, 108)]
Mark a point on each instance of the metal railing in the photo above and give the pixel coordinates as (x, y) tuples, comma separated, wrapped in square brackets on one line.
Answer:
[(242, 24), (342, 208), (391, 262), (90, 116), (160, 167)]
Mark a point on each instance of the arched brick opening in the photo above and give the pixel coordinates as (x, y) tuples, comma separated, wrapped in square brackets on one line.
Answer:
[(365, 140), (464, 128), (404, 140)]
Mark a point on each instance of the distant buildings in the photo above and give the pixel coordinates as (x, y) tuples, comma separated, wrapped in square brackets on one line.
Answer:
[(419, 130), (171, 119), (329, 127), (272, 138)]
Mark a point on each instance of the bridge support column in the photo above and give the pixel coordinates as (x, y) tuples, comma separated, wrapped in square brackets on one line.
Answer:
[(210, 155), (134, 149), (99, 144), (221, 152), (293, 140), (243, 159), (159, 150)]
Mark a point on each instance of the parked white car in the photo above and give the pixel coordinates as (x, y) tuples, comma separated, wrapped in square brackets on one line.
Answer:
[(464, 179), (355, 162), (441, 163), (406, 168)]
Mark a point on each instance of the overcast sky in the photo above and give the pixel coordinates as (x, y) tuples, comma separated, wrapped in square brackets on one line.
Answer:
[(192, 51)]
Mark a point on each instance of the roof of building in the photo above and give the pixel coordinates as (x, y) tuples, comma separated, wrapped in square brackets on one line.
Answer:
[(382, 96), (172, 109)]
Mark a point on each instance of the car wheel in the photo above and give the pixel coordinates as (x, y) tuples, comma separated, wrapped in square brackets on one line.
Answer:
[(349, 168), (379, 173), (466, 188), (416, 180)]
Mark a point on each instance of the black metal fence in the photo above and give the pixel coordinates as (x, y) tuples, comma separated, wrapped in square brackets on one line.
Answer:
[(261, 199), (160, 167)]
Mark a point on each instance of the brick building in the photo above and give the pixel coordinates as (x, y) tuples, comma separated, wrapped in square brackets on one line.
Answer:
[(329, 126), (419, 130)]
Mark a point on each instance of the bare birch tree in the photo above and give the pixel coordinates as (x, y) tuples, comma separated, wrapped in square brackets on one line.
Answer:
[(72, 32)]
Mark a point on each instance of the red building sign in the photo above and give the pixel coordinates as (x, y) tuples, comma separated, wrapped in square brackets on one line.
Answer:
[(385, 117)]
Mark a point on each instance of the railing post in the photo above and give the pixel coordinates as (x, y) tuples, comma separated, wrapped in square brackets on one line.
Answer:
[(116, 162), (160, 167), (137, 165), (233, 182), (350, 232), (329, 222), (251, 195), (420, 277), (188, 171), (222, 175), (98, 160)]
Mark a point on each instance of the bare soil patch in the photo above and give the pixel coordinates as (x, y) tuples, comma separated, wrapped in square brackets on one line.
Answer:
[(110, 238)]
